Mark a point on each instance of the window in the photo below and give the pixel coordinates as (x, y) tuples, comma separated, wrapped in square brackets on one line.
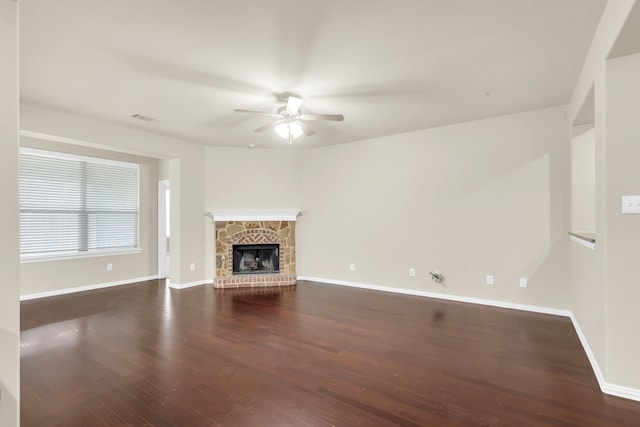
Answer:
[(73, 205)]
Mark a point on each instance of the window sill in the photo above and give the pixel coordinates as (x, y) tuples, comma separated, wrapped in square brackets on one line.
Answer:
[(587, 240), (25, 259)]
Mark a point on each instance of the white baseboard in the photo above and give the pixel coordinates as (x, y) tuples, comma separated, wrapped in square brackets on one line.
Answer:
[(85, 288), (621, 391), (190, 284), (492, 303), (605, 387), (587, 349)]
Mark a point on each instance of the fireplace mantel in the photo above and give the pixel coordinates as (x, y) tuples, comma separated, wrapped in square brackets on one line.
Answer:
[(289, 215)]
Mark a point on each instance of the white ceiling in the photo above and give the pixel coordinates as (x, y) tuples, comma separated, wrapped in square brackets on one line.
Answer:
[(388, 66)]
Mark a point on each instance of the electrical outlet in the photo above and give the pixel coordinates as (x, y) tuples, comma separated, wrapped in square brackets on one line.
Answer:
[(192, 266), (489, 280), (109, 267), (523, 282), (352, 266), (412, 271)]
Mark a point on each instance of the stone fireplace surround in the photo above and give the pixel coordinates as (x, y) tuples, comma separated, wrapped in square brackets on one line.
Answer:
[(254, 227)]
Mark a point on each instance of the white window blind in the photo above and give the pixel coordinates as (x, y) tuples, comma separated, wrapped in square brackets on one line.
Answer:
[(73, 204)]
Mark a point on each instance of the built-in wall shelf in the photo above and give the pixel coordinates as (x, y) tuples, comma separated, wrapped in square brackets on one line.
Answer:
[(585, 239)]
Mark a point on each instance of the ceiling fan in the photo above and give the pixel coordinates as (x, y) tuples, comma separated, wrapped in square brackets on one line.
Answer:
[(290, 121)]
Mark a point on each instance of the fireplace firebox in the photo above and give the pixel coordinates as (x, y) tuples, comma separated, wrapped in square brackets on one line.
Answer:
[(256, 259)]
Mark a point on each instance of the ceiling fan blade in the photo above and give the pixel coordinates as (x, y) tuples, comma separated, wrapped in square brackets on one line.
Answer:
[(269, 125), (293, 104), (330, 117), (264, 113), (306, 128)]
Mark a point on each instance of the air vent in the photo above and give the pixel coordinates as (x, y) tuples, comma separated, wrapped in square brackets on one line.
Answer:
[(143, 118)]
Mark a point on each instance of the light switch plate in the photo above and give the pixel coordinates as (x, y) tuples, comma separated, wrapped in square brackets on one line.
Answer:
[(631, 204)]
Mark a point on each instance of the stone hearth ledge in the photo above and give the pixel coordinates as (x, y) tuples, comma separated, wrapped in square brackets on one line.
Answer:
[(255, 281)]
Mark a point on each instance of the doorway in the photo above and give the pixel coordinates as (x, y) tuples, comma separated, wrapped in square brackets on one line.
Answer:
[(164, 229)]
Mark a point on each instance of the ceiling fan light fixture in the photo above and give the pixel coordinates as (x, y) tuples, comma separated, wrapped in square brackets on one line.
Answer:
[(293, 128)]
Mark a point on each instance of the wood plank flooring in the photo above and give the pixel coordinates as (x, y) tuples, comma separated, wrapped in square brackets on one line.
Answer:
[(315, 355)]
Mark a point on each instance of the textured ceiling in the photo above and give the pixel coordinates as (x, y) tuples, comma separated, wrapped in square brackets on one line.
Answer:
[(387, 66)]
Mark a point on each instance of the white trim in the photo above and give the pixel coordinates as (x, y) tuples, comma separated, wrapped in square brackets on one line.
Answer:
[(583, 242), (52, 256), (86, 288), (287, 215), (163, 185), (190, 284), (621, 391), (605, 387), (587, 349), (456, 298)]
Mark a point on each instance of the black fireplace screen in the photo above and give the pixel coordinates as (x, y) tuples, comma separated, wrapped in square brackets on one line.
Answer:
[(252, 259)]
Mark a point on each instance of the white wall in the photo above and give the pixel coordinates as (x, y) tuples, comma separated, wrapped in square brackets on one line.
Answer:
[(583, 181), (622, 145), (9, 238), (50, 276), (477, 198), (241, 178)]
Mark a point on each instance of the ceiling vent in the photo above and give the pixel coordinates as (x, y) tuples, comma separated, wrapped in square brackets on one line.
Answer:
[(143, 118)]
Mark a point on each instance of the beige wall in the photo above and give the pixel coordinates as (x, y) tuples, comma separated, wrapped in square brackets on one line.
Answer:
[(622, 145), (51, 276), (9, 289), (164, 169), (186, 175), (244, 179), (240, 178), (583, 181), (478, 198)]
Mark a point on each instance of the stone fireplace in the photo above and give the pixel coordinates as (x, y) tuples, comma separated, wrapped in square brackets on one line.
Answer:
[(254, 249)]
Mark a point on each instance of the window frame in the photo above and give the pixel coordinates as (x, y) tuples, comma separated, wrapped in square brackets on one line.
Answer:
[(68, 255)]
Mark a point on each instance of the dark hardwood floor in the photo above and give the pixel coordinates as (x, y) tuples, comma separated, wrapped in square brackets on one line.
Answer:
[(317, 355)]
